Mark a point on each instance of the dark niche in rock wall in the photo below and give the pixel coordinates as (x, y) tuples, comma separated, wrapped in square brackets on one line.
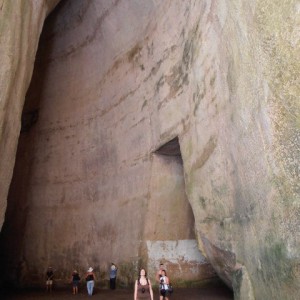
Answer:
[(170, 237), (171, 148)]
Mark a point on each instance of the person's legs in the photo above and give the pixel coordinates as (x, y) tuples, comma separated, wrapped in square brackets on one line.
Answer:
[(113, 283), (49, 285), (162, 295), (75, 287), (92, 286), (88, 287)]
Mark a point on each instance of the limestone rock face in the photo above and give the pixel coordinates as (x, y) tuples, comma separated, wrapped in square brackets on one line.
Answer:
[(88, 188), (21, 23), (116, 80)]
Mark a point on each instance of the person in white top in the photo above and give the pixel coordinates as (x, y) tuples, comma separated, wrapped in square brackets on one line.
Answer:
[(158, 274), (164, 286)]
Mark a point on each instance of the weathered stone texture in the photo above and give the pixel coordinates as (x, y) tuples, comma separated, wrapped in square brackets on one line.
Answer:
[(94, 190), (246, 120), (114, 81), (21, 23)]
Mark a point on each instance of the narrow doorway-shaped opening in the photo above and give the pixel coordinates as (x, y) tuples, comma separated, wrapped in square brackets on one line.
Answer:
[(169, 229)]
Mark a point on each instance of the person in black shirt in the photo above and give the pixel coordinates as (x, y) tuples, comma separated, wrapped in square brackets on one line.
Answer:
[(90, 281), (49, 279), (75, 281)]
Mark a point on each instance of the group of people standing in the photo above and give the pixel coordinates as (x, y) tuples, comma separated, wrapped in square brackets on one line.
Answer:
[(143, 288), (89, 277)]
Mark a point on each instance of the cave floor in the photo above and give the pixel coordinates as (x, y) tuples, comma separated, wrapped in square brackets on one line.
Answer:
[(207, 293)]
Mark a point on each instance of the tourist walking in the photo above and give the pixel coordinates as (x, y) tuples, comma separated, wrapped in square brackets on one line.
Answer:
[(90, 281), (75, 282), (142, 287), (113, 276)]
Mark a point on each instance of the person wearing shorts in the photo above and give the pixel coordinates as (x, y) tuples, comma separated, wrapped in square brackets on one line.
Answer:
[(164, 286), (75, 282), (49, 279)]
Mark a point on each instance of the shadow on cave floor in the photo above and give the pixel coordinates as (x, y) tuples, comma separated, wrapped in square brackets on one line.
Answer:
[(205, 293)]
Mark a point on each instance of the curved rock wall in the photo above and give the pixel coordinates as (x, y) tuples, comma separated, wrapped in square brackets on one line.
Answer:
[(20, 27), (241, 145), (87, 187), (119, 79)]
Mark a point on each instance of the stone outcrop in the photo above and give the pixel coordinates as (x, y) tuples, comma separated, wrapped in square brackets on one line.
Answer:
[(114, 81)]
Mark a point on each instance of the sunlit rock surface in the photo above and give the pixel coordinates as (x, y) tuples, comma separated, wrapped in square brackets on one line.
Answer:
[(116, 80)]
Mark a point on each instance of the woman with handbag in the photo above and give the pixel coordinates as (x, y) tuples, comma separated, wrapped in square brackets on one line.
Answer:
[(164, 286)]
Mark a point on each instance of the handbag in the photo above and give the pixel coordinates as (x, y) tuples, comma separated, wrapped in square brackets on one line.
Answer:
[(170, 288)]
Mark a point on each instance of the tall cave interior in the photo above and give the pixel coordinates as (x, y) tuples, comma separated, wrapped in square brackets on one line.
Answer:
[(147, 131), (92, 183)]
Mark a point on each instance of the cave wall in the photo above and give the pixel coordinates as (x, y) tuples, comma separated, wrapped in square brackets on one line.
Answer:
[(88, 188), (20, 27), (241, 149), (220, 76)]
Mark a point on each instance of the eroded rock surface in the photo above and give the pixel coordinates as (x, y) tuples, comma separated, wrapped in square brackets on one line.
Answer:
[(116, 80), (20, 27)]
